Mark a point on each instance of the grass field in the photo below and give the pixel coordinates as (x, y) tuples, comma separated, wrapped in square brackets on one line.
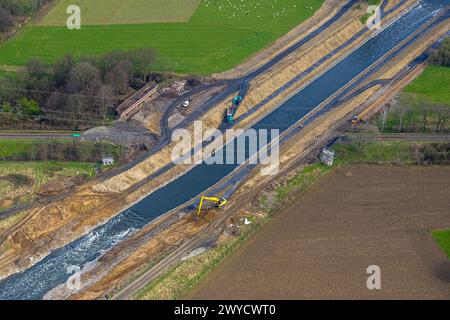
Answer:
[(63, 149), (219, 35), (374, 153), (108, 12), (15, 147), (37, 174), (443, 239), (433, 85)]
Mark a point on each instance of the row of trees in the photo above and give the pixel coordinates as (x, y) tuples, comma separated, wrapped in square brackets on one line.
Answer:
[(441, 56), (431, 153), (73, 93), (413, 114), (12, 11)]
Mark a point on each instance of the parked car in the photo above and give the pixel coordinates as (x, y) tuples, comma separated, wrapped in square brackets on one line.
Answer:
[(186, 104)]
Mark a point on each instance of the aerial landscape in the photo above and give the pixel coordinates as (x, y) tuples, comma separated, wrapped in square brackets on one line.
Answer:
[(224, 150)]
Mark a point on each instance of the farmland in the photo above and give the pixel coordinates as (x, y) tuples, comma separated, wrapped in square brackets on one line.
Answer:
[(217, 37), (432, 85), (320, 246), (107, 12)]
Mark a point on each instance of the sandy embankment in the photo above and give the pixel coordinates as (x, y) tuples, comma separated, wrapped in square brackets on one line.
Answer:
[(63, 221)]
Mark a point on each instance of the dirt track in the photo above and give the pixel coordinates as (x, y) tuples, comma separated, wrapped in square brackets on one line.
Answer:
[(320, 247)]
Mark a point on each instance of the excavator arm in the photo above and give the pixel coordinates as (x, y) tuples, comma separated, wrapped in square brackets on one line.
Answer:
[(218, 202)]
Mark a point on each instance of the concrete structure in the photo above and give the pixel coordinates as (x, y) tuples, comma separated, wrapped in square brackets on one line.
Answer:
[(327, 157), (107, 160)]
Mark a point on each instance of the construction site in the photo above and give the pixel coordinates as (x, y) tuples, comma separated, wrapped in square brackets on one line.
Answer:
[(128, 227)]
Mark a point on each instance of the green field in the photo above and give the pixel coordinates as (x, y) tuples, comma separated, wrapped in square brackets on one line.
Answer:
[(219, 35), (108, 12), (443, 239), (17, 147), (56, 149), (397, 152), (432, 85)]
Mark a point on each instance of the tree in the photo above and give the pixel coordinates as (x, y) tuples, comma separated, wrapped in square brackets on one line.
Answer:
[(30, 107), (442, 114), (441, 56), (36, 68), (406, 101), (143, 60), (84, 78), (6, 107), (382, 117), (425, 110), (61, 70), (118, 80), (7, 21)]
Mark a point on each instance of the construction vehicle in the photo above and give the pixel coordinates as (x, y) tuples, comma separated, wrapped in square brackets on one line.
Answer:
[(217, 203), (186, 104), (231, 111), (355, 120)]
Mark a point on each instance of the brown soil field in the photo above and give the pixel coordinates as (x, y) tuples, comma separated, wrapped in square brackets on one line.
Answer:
[(320, 246)]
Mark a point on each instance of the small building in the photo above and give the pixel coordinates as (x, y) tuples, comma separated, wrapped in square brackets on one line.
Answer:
[(107, 160), (327, 157)]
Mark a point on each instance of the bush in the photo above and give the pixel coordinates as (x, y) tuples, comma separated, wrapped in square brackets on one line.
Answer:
[(18, 180), (441, 56)]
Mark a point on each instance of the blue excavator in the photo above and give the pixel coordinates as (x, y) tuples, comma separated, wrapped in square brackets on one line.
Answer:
[(231, 111), (237, 100)]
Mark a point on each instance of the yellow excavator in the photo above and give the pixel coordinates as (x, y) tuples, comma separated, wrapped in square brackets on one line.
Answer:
[(217, 203)]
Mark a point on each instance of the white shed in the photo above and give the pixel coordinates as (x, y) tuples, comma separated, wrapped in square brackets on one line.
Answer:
[(327, 157), (107, 160)]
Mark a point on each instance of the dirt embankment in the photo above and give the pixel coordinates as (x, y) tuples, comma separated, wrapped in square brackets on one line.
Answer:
[(68, 219), (392, 3)]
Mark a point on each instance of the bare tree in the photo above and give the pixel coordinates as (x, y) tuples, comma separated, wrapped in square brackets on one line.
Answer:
[(84, 78), (425, 111), (7, 21), (442, 114), (118, 80), (382, 117), (407, 101)]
